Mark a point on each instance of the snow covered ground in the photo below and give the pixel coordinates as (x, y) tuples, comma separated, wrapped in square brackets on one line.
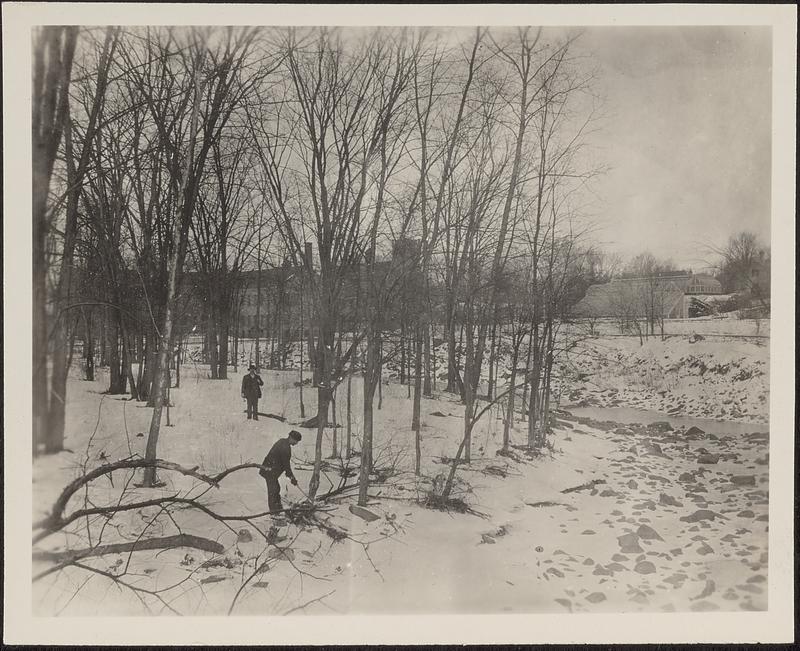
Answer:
[(667, 520), (728, 324), (722, 374), (726, 380)]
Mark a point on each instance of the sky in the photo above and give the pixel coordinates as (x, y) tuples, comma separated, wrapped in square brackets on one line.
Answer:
[(686, 136)]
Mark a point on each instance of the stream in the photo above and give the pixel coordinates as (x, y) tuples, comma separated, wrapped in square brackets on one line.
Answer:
[(629, 415)]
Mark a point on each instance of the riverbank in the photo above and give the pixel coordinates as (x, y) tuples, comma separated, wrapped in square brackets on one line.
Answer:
[(719, 380)]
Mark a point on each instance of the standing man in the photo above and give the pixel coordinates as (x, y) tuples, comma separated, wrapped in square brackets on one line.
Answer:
[(275, 464), (251, 391)]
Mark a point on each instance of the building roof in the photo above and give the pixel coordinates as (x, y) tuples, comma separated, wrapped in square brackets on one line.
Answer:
[(632, 295)]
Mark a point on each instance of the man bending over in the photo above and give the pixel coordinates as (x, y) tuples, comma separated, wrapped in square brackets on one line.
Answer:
[(276, 463)]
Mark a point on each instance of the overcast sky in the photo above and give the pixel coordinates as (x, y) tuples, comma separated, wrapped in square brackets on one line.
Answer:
[(686, 133)]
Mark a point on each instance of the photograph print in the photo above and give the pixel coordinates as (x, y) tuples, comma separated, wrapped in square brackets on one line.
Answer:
[(403, 319)]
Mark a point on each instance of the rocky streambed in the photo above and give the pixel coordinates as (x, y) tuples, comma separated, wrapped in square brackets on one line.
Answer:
[(682, 520)]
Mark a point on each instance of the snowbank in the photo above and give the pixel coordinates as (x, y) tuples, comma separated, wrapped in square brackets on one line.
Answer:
[(726, 380)]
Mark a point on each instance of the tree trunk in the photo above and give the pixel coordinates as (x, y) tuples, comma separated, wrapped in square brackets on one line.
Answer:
[(459, 356), (427, 391), (348, 449), (498, 355), (222, 362), (39, 363), (546, 390), (103, 336), (448, 486), (433, 360), (142, 386), (272, 338), (160, 384), (323, 398), (167, 397), (73, 331), (178, 355), (52, 65), (75, 172), (380, 376), (127, 359), (366, 447), (492, 349), (54, 439), (114, 362), (452, 364), (88, 345), (533, 411), (509, 421), (324, 366), (527, 372), (409, 356), (213, 355), (236, 344), (469, 383), (335, 443), (180, 234), (372, 374), (415, 417), (258, 305), (402, 352), (152, 368), (302, 405)]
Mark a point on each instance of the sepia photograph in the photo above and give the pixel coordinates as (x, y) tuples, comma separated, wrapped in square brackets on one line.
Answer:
[(334, 315)]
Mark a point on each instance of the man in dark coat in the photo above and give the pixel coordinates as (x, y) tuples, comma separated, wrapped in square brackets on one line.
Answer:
[(275, 464), (251, 391)]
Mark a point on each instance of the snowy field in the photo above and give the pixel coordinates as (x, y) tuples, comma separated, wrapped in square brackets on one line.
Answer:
[(613, 519)]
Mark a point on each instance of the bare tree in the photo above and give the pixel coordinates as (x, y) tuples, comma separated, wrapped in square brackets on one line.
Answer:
[(190, 91), (654, 290), (53, 51), (744, 265), (318, 148), (77, 157), (224, 227)]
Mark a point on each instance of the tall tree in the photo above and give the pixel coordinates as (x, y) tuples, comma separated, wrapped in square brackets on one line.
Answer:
[(224, 227), (191, 91), (53, 52), (77, 152), (318, 148)]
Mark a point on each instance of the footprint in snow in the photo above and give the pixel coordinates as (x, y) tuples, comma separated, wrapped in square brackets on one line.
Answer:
[(703, 606), (596, 597)]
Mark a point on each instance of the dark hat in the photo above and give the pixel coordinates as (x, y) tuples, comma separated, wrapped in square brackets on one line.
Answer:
[(252, 367), (297, 436)]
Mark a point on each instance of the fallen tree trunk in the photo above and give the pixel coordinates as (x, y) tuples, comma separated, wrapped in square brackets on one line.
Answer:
[(66, 558), (166, 542), (590, 484)]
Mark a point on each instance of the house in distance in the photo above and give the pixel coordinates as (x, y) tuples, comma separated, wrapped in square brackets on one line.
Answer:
[(666, 295)]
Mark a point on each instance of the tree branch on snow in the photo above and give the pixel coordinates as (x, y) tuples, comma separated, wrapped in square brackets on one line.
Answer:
[(166, 542), (56, 519)]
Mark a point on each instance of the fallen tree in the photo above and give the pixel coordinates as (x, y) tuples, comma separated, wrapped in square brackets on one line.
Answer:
[(92, 524)]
